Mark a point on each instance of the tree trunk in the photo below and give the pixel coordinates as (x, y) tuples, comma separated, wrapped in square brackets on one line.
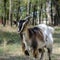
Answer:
[(4, 22), (10, 12), (18, 8), (51, 13), (45, 13), (2, 19), (40, 11), (34, 14), (28, 8), (57, 15)]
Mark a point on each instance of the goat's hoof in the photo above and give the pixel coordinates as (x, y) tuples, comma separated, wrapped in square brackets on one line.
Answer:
[(26, 53), (35, 56), (40, 50)]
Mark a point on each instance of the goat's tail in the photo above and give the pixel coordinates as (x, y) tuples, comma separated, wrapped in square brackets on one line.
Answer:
[(51, 29)]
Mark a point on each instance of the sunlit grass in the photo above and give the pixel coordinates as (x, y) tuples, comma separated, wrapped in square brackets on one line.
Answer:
[(13, 46)]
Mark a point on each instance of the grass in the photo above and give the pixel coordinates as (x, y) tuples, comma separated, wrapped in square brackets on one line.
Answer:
[(12, 50), (9, 34)]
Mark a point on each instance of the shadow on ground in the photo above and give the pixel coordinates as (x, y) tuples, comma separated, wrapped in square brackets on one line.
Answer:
[(16, 58), (54, 57)]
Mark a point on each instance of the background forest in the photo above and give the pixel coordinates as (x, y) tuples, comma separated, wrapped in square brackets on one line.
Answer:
[(42, 11)]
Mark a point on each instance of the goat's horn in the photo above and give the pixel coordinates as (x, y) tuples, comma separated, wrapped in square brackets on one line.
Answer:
[(28, 17)]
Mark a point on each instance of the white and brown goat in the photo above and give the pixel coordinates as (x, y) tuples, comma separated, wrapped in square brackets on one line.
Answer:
[(37, 38)]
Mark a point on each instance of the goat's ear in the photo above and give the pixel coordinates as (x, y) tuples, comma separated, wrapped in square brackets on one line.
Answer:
[(15, 22)]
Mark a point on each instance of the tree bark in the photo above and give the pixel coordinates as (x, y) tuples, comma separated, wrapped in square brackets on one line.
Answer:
[(18, 10), (28, 8), (40, 11), (51, 13), (57, 15), (4, 22), (10, 12)]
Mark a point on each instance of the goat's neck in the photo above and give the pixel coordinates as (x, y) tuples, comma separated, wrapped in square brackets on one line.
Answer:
[(25, 29), (25, 33)]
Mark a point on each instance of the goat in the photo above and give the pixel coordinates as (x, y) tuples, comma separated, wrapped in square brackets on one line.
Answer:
[(37, 38)]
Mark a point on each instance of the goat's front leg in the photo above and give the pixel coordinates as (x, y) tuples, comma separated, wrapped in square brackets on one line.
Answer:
[(25, 46), (24, 49)]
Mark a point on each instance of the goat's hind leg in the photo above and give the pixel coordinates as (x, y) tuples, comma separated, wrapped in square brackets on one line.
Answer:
[(42, 53), (49, 53)]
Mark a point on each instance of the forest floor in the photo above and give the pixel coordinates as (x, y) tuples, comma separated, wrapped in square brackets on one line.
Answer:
[(13, 51)]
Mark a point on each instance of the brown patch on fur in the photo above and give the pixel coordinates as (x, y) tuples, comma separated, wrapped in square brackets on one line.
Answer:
[(39, 35), (35, 35), (35, 53)]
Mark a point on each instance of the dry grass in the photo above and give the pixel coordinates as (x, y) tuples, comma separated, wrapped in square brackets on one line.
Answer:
[(14, 52), (8, 28)]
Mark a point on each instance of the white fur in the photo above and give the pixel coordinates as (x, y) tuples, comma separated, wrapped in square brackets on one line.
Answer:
[(47, 32), (48, 38), (25, 42)]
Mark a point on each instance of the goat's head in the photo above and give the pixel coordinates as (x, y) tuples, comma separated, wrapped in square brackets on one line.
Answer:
[(22, 24)]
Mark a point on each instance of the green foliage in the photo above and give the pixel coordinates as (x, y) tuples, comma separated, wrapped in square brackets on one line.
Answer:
[(13, 50), (20, 9), (23, 3), (9, 37)]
